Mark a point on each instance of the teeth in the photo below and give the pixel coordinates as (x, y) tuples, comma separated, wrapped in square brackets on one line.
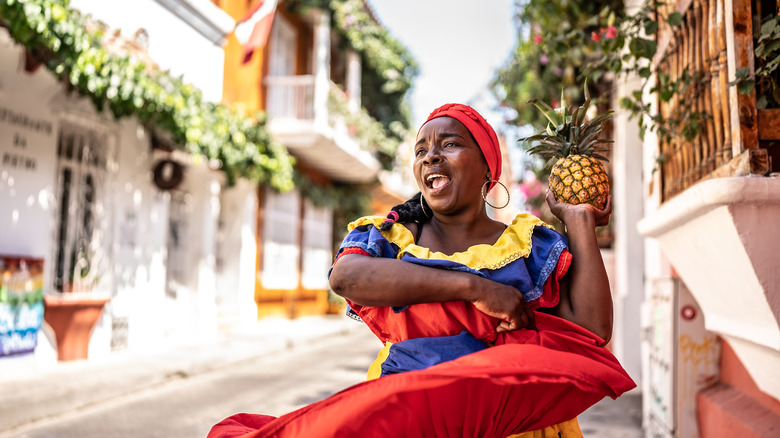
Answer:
[(434, 176)]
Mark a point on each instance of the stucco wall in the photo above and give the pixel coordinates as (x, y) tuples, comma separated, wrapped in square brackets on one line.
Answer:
[(134, 215)]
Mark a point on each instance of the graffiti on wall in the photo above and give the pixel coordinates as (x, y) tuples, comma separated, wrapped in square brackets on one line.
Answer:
[(21, 304), (698, 365)]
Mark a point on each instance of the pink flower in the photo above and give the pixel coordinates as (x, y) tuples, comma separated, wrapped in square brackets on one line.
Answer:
[(611, 32), (538, 39), (596, 36), (544, 59)]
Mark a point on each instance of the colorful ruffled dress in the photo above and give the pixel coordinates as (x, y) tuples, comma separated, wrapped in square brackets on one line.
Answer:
[(445, 372)]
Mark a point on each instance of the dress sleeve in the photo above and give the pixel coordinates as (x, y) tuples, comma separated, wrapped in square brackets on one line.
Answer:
[(548, 262), (551, 289), (365, 240), (368, 239)]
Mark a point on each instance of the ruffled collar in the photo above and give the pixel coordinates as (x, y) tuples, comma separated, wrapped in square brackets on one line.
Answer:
[(514, 243)]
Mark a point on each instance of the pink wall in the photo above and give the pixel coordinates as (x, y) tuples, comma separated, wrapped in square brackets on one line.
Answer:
[(735, 407)]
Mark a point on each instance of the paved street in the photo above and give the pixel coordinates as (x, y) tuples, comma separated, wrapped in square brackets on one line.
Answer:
[(188, 402), (187, 407)]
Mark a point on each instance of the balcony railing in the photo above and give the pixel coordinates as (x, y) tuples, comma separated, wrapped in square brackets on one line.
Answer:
[(290, 98), (710, 49)]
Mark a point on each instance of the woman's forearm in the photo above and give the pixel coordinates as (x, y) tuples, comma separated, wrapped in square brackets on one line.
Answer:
[(589, 298), (371, 281)]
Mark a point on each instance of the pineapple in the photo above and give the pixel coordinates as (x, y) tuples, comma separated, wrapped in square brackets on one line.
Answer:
[(571, 144)]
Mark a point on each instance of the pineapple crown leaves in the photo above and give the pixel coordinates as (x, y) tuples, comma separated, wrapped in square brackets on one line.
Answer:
[(569, 132)]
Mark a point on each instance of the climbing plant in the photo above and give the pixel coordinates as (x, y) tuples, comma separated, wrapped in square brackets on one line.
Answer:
[(553, 50), (388, 68), (71, 46)]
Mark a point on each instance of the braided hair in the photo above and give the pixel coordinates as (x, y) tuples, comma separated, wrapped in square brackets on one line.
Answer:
[(409, 211)]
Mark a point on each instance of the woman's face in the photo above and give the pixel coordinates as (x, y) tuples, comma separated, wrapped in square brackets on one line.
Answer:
[(449, 166)]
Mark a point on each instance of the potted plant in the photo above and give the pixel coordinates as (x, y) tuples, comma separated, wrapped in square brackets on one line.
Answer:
[(73, 314)]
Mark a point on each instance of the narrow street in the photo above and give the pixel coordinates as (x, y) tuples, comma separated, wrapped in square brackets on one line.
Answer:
[(275, 384)]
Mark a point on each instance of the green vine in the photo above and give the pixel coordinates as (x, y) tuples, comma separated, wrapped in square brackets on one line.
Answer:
[(603, 44), (767, 73), (71, 46), (631, 51), (388, 69), (553, 50), (362, 126)]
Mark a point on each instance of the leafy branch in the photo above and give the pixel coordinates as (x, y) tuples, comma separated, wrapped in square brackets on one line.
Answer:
[(767, 74), (388, 68)]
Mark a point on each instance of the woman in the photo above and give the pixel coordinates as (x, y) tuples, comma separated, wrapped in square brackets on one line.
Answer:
[(489, 330)]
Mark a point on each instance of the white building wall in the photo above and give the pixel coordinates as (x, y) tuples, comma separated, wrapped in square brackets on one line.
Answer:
[(139, 316), (26, 193), (174, 44), (140, 230)]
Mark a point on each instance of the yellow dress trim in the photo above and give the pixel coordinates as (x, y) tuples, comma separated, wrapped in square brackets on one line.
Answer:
[(375, 369), (514, 243)]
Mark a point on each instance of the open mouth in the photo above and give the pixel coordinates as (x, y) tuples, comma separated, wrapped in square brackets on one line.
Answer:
[(437, 181)]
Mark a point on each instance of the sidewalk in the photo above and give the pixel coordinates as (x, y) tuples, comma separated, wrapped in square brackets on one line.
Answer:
[(621, 418), (71, 386)]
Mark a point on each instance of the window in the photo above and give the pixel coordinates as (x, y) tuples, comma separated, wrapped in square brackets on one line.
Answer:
[(317, 236), (280, 240), (81, 178)]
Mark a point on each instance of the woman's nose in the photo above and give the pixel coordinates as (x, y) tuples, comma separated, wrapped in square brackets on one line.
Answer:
[(433, 156)]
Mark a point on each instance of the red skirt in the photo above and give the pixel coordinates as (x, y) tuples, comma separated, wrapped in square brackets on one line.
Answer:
[(529, 380)]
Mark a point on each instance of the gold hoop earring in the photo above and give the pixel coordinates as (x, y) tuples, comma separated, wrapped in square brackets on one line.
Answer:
[(422, 205), (485, 190)]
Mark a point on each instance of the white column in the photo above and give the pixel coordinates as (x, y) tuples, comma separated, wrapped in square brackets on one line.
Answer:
[(628, 245), (321, 22), (204, 187), (353, 79), (237, 254)]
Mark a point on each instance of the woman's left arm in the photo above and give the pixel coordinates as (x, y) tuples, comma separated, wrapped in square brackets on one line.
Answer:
[(585, 297)]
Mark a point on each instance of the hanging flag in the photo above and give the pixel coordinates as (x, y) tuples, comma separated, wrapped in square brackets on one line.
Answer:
[(252, 31)]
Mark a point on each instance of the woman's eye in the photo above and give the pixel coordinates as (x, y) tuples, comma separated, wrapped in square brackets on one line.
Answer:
[(419, 152), (446, 145)]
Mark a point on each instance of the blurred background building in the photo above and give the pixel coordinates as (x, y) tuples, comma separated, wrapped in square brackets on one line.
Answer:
[(166, 181)]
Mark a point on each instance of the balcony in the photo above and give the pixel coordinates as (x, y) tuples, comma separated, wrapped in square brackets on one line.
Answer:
[(316, 133), (720, 199)]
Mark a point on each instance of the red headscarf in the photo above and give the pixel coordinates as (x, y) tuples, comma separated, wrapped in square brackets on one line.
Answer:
[(481, 130)]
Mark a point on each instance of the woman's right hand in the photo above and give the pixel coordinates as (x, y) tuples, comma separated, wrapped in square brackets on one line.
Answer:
[(507, 304)]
